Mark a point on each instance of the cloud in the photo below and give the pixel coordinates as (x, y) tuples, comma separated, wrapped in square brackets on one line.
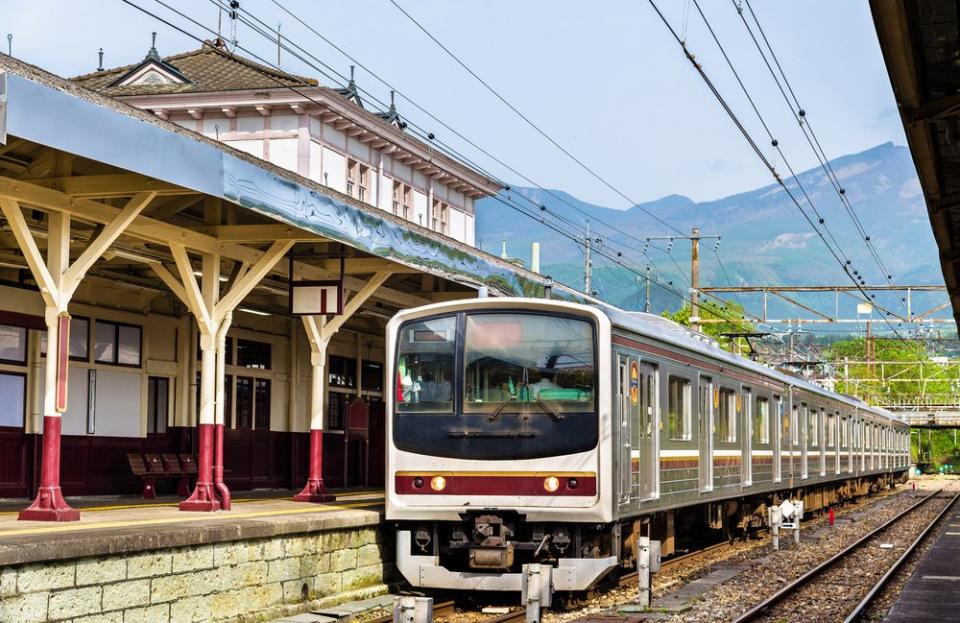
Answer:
[(788, 241)]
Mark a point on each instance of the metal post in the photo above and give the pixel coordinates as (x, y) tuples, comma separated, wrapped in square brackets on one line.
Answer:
[(646, 306), (315, 490), (643, 571), (695, 279), (587, 264), (536, 589), (409, 609)]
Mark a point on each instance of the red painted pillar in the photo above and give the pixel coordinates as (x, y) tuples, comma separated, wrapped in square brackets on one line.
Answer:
[(49, 504), (315, 491), (204, 496), (221, 487)]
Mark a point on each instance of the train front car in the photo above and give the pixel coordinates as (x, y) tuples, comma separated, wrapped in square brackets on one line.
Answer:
[(499, 433)]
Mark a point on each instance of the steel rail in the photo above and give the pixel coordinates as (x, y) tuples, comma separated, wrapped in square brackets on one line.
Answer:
[(790, 588), (870, 596), (443, 608)]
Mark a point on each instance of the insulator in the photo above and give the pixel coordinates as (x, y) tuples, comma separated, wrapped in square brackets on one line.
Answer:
[(867, 238), (619, 254), (774, 142), (848, 262), (430, 136), (506, 188), (802, 112), (543, 207), (843, 191), (821, 220), (890, 277)]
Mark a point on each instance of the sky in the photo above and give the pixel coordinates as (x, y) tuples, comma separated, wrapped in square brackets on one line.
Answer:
[(604, 80)]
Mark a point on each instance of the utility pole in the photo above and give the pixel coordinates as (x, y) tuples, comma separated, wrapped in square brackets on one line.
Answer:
[(695, 279), (587, 263), (646, 306)]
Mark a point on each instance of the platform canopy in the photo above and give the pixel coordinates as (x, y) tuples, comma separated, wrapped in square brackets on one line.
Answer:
[(920, 41)]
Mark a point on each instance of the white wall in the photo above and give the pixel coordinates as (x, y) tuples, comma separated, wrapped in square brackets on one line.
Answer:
[(419, 215), (316, 171), (254, 147), (284, 122), (456, 223), (283, 153), (252, 123), (335, 167), (469, 233), (386, 195)]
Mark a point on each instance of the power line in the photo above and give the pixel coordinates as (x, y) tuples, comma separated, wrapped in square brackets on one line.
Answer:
[(760, 155), (720, 311), (527, 119), (803, 121)]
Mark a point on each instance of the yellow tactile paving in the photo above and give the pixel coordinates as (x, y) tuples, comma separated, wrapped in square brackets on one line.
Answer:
[(86, 509), (176, 517)]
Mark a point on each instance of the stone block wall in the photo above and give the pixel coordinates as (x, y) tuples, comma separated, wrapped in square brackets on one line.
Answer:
[(235, 581)]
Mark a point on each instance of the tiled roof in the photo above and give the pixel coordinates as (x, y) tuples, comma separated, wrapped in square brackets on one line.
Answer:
[(209, 69)]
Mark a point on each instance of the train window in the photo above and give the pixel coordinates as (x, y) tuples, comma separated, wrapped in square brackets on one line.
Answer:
[(814, 423), (678, 408), (425, 366), (795, 426), (761, 421), (831, 430), (727, 416), (528, 363), (844, 432)]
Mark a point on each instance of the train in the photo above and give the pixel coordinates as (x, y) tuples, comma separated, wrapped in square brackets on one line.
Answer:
[(528, 430)]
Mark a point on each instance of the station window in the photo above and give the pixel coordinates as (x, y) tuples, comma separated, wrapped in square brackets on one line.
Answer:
[(117, 344), (342, 372), (372, 376), (79, 339), (261, 403), (251, 354), (13, 344), (402, 200), (761, 421), (13, 405), (727, 416), (439, 218), (678, 408), (158, 398), (227, 347), (337, 410)]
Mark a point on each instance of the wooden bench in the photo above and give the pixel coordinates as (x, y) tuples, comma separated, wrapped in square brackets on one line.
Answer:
[(152, 467)]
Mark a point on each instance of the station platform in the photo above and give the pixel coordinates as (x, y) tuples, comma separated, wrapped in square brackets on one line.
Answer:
[(130, 524), (933, 591), (268, 557)]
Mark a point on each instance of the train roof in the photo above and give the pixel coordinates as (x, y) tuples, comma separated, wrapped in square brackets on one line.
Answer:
[(668, 331)]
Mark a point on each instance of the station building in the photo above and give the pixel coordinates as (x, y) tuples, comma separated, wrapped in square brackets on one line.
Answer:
[(164, 258)]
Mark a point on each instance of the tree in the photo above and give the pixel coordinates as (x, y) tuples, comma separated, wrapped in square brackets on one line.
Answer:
[(731, 315)]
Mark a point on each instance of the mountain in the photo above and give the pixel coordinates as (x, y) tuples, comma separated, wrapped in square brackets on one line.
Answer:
[(764, 238)]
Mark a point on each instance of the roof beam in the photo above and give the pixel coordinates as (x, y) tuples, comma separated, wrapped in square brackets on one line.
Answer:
[(112, 185), (266, 232)]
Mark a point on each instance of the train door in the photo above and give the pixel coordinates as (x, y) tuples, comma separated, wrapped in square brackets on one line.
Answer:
[(803, 430), (705, 430), (649, 423), (777, 439), (623, 402), (746, 438)]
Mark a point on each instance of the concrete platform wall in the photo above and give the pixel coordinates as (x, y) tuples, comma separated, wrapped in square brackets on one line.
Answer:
[(246, 580)]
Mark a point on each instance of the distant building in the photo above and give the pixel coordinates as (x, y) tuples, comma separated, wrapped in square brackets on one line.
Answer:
[(321, 133)]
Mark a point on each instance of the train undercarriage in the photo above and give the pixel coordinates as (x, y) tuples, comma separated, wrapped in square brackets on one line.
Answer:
[(486, 550)]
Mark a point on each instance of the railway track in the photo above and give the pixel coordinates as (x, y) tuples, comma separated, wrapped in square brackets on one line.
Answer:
[(843, 586)]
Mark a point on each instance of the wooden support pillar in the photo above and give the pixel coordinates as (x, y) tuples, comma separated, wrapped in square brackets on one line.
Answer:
[(319, 333), (214, 315), (58, 279)]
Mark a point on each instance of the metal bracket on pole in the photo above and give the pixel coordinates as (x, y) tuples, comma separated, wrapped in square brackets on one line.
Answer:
[(536, 589), (409, 609)]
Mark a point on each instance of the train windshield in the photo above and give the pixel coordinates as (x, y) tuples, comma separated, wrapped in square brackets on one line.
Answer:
[(527, 363), (495, 385)]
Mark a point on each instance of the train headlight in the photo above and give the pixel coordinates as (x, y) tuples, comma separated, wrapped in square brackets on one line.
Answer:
[(438, 483), (551, 483)]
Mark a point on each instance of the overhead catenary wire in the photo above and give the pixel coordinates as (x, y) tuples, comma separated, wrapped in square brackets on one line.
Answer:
[(752, 143), (721, 311), (527, 119), (803, 121)]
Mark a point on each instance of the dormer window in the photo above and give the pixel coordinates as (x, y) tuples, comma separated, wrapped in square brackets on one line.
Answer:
[(152, 71)]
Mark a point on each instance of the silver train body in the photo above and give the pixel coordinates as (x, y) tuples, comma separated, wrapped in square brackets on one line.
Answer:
[(510, 442)]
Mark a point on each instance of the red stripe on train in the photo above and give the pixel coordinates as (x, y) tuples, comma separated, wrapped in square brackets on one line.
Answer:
[(457, 484)]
